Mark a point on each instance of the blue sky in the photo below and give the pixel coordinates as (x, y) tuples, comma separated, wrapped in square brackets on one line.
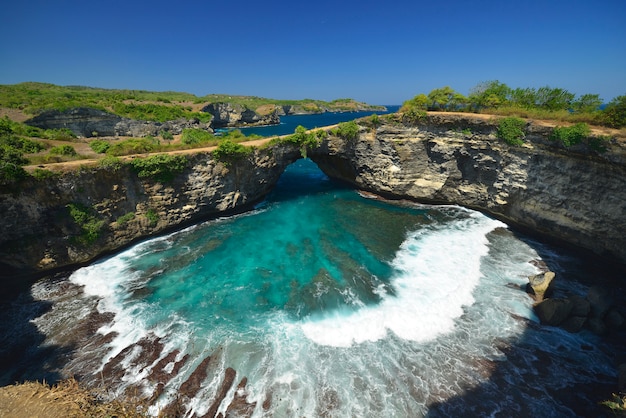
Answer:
[(374, 51)]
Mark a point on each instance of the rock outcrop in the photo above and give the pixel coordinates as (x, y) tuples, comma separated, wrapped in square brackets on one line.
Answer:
[(231, 115), (39, 233), (88, 122), (576, 196)]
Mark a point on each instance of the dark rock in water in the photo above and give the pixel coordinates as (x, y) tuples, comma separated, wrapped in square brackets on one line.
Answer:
[(540, 285), (553, 311), (621, 370), (600, 300), (614, 319), (597, 326), (229, 379), (574, 323), (581, 306)]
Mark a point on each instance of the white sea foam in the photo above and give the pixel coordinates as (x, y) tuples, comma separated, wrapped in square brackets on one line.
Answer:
[(436, 272)]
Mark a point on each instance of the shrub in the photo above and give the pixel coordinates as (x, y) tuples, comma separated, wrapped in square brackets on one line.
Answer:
[(111, 163), (99, 146), (167, 135), (84, 217), (511, 130), (347, 130), (62, 134), (570, 135), (66, 150), (23, 145), (194, 136), (42, 174), (132, 146), (228, 151), (160, 167), (11, 161), (598, 143), (152, 217), (123, 220)]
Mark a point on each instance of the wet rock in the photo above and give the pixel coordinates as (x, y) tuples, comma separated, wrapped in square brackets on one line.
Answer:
[(540, 285), (581, 306), (193, 384), (574, 323), (553, 311), (600, 300), (227, 383), (614, 319), (597, 326), (621, 370)]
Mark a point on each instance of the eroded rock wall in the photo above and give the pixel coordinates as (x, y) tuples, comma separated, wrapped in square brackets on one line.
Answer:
[(577, 196), (39, 234)]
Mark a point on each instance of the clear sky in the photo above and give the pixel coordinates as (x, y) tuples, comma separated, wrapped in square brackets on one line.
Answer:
[(381, 52)]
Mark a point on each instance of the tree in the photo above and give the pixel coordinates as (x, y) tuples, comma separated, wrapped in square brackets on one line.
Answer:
[(441, 98), (524, 98), (489, 94), (587, 103), (615, 112), (553, 98), (419, 102)]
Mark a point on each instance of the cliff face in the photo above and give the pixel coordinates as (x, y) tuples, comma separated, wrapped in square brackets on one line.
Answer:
[(230, 115), (39, 232), (576, 196), (88, 122)]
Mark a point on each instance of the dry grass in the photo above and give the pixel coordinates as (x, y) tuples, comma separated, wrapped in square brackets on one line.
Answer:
[(65, 400)]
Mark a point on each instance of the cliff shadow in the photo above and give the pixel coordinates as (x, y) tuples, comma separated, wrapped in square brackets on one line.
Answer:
[(24, 353), (548, 371)]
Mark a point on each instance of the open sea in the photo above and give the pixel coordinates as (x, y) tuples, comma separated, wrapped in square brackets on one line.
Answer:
[(289, 123), (320, 302)]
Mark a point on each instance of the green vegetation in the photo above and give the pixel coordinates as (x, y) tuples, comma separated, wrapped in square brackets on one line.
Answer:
[(303, 138), (111, 163), (346, 130), (160, 167), (570, 135), (66, 150), (228, 151), (124, 219), (152, 217), (86, 219), (166, 135), (42, 174), (545, 102), (99, 146), (194, 136), (34, 98), (511, 130), (132, 146)]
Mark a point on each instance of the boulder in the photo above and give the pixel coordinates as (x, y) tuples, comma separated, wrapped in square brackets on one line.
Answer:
[(600, 300), (614, 319), (574, 323), (581, 306), (553, 311), (596, 325), (621, 370), (539, 285)]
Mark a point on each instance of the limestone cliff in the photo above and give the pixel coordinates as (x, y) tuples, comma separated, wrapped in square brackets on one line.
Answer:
[(88, 122), (231, 115), (576, 196), (39, 233)]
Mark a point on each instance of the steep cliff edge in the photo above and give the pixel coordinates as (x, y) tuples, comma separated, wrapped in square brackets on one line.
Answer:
[(576, 195), (77, 216)]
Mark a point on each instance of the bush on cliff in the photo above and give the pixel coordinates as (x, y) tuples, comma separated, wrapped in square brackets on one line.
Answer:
[(570, 135), (66, 150), (194, 136), (615, 113), (160, 167), (511, 130), (99, 146), (346, 130), (132, 146), (228, 151), (86, 219)]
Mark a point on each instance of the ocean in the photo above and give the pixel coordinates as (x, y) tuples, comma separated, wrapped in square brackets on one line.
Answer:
[(289, 123), (320, 302)]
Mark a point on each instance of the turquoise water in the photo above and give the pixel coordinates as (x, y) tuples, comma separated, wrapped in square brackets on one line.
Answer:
[(330, 304)]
